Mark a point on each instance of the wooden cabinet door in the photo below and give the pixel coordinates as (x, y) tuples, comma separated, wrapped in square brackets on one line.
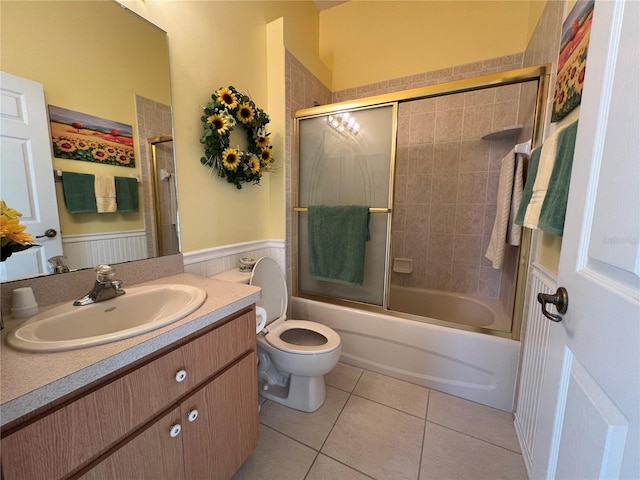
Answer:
[(225, 431), (153, 454), (81, 431)]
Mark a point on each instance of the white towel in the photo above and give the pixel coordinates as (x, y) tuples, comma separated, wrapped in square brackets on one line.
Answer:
[(545, 167), (514, 231), (105, 190), (495, 250)]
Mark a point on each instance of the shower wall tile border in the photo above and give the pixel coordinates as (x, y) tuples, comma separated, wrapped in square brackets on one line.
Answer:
[(425, 79)]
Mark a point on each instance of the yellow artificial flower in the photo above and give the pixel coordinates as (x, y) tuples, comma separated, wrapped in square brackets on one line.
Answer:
[(12, 229), (9, 212), (263, 141), (219, 123), (254, 164), (265, 156), (227, 97), (245, 113), (230, 159)]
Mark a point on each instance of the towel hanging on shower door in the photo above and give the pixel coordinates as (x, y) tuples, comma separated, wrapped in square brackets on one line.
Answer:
[(337, 236)]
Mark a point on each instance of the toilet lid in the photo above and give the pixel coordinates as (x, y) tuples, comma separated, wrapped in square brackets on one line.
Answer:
[(303, 337), (267, 275)]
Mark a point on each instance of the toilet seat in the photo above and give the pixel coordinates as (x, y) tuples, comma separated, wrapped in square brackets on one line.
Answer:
[(274, 337), (268, 276)]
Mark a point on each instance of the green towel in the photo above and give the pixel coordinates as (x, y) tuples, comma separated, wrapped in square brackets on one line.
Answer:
[(554, 206), (127, 194), (337, 236), (527, 192), (79, 192)]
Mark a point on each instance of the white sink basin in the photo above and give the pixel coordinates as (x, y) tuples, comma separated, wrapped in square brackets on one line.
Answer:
[(140, 310)]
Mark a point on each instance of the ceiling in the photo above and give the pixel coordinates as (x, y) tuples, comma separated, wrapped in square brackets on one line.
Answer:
[(325, 4)]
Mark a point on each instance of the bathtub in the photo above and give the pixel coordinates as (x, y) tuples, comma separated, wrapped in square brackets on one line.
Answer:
[(452, 307), (472, 365)]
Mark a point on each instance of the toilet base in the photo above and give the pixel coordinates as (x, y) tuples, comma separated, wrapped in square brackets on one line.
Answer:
[(303, 393)]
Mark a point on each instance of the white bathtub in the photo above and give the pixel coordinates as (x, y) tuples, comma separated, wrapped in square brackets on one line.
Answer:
[(471, 365), (450, 307)]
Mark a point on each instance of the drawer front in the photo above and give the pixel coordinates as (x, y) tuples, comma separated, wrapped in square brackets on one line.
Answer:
[(71, 436), (218, 348)]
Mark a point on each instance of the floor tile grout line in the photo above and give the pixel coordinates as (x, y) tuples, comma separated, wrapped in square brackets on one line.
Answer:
[(289, 437), (333, 426), (474, 437), (311, 466), (334, 423), (424, 434), (329, 434), (389, 406)]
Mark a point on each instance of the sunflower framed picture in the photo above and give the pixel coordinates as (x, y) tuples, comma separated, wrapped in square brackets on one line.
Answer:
[(228, 109), (572, 60), (79, 136)]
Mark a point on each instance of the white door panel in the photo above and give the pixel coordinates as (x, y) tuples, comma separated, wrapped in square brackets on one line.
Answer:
[(589, 417), (27, 173)]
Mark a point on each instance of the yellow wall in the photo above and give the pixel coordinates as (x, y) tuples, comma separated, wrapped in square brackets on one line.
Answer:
[(365, 42), (535, 12), (91, 57), (276, 109), (214, 44)]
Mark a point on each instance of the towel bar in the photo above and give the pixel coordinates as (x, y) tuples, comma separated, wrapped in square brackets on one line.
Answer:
[(57, 176), (371, 210)]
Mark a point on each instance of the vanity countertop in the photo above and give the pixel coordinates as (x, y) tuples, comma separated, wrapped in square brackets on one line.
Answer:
[(32, 380)]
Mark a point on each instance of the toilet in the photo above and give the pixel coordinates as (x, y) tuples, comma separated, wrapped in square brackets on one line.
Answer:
[(293, 355)]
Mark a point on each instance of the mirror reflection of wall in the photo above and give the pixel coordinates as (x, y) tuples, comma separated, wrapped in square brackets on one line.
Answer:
[(96, 58)]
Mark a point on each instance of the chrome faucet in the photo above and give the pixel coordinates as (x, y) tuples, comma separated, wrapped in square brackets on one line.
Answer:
[(106, 287)]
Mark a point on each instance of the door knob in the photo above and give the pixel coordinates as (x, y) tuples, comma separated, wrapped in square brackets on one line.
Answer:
[(50, 233), (560, 299)]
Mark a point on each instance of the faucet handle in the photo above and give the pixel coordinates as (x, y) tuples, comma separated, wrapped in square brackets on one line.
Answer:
[(104, 273)]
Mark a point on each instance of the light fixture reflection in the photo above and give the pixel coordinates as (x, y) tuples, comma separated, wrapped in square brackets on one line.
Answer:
[(344, 123)]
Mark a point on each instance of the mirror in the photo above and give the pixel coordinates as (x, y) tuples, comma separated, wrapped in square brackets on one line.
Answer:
[(100, 59)]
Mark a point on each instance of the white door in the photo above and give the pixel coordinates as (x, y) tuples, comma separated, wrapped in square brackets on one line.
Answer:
[(589, 413), (26, 165)]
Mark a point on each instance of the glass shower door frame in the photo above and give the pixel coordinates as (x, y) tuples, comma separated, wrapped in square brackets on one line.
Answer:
[(374, 211), (539, 73)]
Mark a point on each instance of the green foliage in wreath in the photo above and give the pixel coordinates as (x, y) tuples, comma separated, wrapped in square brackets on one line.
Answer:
[(227, 108)]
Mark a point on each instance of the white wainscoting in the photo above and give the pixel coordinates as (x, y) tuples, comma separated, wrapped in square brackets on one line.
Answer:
[(534, 349), (83, 251), (212, 261)]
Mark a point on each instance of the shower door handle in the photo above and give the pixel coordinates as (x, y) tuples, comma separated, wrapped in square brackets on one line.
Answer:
[(560, 299)]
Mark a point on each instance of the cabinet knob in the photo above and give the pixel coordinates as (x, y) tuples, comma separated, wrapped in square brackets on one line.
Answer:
[(181, 375), (192, 415), (175, 430)]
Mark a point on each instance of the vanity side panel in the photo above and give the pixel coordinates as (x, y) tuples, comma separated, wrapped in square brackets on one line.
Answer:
[(81, 431)]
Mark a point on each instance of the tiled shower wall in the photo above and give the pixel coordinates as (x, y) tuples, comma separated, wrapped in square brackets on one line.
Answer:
[(446, 186)]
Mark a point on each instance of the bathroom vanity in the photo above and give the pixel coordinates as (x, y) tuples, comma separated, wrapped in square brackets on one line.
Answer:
[(180, 402)]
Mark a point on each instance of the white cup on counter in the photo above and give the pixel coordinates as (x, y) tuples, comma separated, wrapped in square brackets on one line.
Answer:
[(23, 303)]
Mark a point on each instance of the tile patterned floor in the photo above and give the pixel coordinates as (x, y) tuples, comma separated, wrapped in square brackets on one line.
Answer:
[(376, 427)]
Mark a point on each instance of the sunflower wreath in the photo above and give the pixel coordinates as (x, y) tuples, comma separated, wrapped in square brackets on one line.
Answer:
[(227, 108)]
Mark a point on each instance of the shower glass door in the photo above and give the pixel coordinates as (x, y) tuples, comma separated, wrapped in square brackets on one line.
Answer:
[(346, 158)]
